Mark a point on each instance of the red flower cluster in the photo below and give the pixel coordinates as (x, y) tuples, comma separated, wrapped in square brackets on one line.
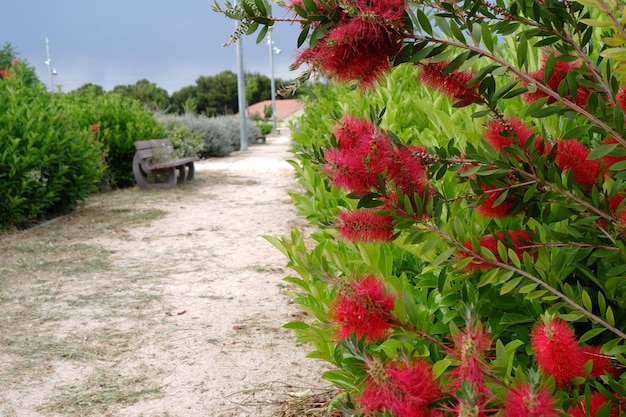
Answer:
[(363, 308), (453, 85), (365, 225), (359, 48), (470, 348), (403, 388), (514, 239), (364, 153), (596, 402), (557, 352), (526, 401), (572, 155), (560, 72), (513, 131), (95, 128), (5, 73)]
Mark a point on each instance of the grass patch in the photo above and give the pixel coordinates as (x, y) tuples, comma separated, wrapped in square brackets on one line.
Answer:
[(101, 392)]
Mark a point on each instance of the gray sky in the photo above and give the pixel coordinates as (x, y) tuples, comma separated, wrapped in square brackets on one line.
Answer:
[(113, 42)]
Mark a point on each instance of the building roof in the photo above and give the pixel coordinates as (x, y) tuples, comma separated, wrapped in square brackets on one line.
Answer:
[(284, 108)]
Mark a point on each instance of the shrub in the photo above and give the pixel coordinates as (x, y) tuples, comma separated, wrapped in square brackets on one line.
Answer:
[(49, 161), (186, 142), (474, 265), (220, 134), (119, 122)]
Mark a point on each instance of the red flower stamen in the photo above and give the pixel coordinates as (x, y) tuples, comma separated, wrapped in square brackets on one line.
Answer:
[(557, 352), (572, 155), (363, 308), (453, 85), (525, 401)]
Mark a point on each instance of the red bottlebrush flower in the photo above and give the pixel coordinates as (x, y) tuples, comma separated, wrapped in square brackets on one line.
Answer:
[(358, 49), (557, 352), (5, 73), (560, 72), (452, 85), (513, 132), (362, 155), (365, 225), (526, 401), (597, 401), (407, 170), (515, 238), (405, 388), (16, 62), (601, 363), (95, 128), (364, 309), (571, 154), (470, 347)]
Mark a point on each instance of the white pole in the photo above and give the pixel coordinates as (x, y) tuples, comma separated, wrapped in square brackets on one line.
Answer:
[(241, 90), (48, 63), (273, 84)]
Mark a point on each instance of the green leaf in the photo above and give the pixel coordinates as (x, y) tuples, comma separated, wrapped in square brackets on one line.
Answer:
[(487, 37), (586, 299), (510, 285), (424, 21), (602, 151), (340, 378), (443, 256), (299, 325), (591, 334)]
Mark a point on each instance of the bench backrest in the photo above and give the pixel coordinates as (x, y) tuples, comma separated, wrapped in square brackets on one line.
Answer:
[(156, 150)]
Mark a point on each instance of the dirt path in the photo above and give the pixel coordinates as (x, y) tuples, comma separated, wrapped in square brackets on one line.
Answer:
[(179, 297)]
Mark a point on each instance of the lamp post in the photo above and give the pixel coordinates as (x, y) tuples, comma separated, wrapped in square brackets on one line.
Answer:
[(241, 92), (48, 62), (273, 50)]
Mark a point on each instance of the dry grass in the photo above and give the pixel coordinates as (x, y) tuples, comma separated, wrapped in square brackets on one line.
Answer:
[(63, 302)]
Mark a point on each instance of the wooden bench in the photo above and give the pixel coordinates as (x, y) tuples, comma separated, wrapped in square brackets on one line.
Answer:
[(155, 165)]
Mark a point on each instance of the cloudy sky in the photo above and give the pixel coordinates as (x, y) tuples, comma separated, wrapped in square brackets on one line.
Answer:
[(108, 43)]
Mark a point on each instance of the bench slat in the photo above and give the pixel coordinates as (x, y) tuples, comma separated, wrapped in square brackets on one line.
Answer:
[(176, 163)]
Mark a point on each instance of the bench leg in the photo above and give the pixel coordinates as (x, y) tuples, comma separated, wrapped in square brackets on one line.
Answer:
[(190, 171)]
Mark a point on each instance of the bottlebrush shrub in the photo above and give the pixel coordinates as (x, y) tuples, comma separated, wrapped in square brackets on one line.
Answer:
[(49, 162), (506, 256)]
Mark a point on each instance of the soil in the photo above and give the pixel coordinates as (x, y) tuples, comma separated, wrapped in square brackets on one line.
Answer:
[(160, 303)]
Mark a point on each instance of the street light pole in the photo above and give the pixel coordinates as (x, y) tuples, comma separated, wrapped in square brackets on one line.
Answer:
[(241, 90), (273, 85), (48, 63)]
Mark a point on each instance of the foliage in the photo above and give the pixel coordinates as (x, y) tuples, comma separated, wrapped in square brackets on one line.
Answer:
[(480, 186), (152, 97), (118, 123), (221, 135), (186, 142), (8, 56), (49, 162)]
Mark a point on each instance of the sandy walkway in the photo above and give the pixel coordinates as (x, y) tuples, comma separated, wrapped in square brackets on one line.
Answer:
[(213, 342)]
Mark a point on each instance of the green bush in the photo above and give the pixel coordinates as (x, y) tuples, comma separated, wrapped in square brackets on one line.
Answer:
[(119, 122), (49, 162)]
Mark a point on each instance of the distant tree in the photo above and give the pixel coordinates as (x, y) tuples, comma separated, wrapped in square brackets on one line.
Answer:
[(8, 57), (185, 100), (217, 94), (258, 87), (152, 96), (89, 89)]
